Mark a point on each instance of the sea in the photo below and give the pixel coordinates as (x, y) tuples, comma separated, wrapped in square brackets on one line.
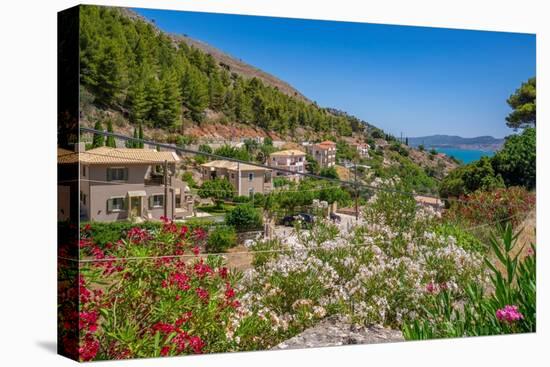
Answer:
[(466, 155)]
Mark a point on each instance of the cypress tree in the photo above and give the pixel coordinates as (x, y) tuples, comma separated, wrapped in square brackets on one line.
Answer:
[(140, 136), (99, 139), (110, 139)]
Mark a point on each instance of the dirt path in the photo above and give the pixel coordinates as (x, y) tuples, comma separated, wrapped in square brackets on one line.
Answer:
[(528, 235)]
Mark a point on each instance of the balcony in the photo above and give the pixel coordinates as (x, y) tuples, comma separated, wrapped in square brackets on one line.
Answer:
[(155, 180)]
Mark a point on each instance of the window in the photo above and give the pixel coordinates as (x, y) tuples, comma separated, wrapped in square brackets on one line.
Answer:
[(156, 201), (83, 171), (117, 174), (250, 176), (82, 198), (251, 192), (116, 204), (232, 175), (178, 201)]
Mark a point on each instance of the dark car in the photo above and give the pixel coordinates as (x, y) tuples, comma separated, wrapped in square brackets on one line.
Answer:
[(335, 217), (290, 219)]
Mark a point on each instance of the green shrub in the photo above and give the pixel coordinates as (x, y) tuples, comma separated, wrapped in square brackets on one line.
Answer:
[(110, 232), (188, 178), (463, 239), (244, 218), (221, 239)]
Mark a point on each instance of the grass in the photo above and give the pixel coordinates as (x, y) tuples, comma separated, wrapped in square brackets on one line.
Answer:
[(213, 209)]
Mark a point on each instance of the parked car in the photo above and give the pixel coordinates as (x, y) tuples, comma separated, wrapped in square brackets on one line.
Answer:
[(290, 219), (335, 217)]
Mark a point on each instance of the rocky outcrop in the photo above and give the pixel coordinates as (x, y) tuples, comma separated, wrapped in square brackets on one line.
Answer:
[(335, 331)]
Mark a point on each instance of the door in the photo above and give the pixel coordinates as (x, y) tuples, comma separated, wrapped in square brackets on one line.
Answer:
[(135, 206)]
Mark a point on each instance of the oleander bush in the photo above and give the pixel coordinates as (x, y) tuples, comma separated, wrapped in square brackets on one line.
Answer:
[(506, 305), (504, 204), (153, 292)]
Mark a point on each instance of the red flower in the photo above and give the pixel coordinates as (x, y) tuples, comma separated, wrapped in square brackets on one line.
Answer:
[(88, 320), (229, 292), (202, 293), (199, 234), (163, 327), (196, 344), (181, 280), (164, 351), (202, 269), (88, 349), (186, 317), (137, 235), (223, 272), (196, 250), (184, 230)]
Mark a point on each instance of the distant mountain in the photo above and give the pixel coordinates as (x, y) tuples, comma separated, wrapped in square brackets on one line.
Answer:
[(454, 141)]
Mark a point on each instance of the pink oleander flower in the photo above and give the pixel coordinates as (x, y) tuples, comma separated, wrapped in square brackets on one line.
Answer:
[(509, 314), (163, 328), (196, 250), (88, 349), (432, 288), (202, 269), (202, 293), (196, 344), (224, 272), (184, 230), (181, 280), (165, 351), (137, 235), (88, 320)]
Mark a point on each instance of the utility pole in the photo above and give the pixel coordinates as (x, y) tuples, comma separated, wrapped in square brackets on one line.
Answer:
[(165, 189), (356, 195)]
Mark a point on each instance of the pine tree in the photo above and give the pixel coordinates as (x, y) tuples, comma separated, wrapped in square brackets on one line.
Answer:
[(154, 96), (171, 109), (112, 73), (139, 103), (216, 91), (110, 139), (243, 106), (99, 139), (195, 93)]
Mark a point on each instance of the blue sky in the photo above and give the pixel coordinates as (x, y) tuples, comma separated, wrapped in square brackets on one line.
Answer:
[(411, 80)]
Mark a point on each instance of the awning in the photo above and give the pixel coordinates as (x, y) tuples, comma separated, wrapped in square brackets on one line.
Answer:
[(137, 193)]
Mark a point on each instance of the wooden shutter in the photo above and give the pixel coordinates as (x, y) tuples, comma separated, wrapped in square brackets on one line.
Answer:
[(151, 202), (109, 205)]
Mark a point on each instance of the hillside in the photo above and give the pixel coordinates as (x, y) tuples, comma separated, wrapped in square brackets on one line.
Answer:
[(453, 141), (180, 90), (228, 62), (130, 67)]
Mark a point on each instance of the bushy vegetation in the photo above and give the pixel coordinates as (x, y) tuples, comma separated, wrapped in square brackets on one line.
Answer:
[(244, 218), (514, 165), (503, 204), (478, 175), (405, 268), (218, 190), (508, 307), (221, 238)]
